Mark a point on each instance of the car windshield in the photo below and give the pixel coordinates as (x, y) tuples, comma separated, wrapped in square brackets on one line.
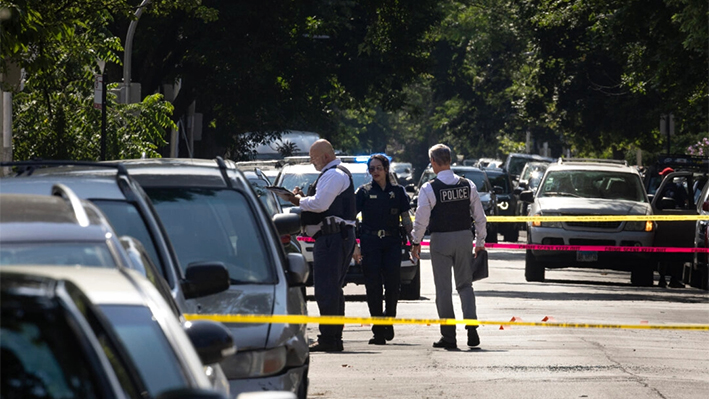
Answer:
[(126, 221), (148, 347), (531, 168), (305, 180), (41, 356), (592, 184), (93, 254), (401, 168), (215, 225), (477, 176)]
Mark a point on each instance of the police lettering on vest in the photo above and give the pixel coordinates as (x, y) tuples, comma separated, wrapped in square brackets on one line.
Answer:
[(452, 206)]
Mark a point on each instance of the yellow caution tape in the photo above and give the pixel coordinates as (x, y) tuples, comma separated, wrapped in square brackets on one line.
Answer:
[(303, 319)]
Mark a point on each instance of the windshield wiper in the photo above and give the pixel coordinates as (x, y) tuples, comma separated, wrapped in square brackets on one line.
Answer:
[(560, 194)]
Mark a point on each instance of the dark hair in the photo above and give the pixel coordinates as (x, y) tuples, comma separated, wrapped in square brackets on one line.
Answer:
[(385, 163)]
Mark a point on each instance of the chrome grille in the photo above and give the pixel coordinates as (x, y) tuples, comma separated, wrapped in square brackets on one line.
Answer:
[(595, 225)]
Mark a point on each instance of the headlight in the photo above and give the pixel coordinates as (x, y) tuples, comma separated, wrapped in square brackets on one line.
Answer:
[(647, 225), (503, 205), (537, 223), (258, 363)]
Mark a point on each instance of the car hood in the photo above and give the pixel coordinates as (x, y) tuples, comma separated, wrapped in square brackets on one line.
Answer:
[(237, 300), (586, 206)]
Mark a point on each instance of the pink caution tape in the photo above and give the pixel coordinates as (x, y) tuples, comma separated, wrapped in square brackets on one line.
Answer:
[(597, 248)]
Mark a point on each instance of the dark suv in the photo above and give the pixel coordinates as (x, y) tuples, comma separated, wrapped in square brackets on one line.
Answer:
[(506, 201), (211, 213)]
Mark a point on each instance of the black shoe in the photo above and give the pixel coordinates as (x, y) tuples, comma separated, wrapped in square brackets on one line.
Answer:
[(445, 344), (377, 340), (674, 283), (473, 338), (389, 333), (322, 347), (662, 283)]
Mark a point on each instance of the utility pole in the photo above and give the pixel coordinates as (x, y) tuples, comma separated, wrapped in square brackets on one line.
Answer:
[(128, 51)]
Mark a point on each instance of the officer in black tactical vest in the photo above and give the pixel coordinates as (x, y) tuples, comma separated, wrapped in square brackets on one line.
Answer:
[(328, 216), (445, 206)]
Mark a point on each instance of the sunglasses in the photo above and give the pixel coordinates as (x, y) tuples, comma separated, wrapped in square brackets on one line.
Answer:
[(377, 168)]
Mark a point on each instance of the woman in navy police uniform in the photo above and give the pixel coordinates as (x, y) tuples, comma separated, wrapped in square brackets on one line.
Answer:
[(384, 206)]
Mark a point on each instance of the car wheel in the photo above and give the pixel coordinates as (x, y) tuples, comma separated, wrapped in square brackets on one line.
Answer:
[(533, 269), (512, 235), (412, 290), (642, 276), (491, 233), (303, 388)]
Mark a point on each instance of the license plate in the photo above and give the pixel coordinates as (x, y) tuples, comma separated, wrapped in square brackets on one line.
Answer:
[(586, 256)]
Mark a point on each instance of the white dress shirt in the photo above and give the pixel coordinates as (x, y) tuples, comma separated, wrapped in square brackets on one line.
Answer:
[(427, 200), (331, 184)]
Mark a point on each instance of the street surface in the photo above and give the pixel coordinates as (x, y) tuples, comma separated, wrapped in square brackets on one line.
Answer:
[(528, 362)]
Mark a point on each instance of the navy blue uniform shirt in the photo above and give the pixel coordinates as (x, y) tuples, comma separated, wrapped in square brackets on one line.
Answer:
[(381, 209)]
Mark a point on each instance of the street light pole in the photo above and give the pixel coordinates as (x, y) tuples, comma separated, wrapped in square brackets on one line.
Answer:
[(128, 50)]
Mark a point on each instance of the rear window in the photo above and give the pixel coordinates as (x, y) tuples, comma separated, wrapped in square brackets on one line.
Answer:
[(208, 225), (57, 254), (41, 357)]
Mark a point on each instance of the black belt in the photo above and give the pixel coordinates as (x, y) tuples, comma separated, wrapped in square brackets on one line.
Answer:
[(380, 233)]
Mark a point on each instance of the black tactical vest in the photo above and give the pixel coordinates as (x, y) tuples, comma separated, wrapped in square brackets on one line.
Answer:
[(452, 210), (343, 206)]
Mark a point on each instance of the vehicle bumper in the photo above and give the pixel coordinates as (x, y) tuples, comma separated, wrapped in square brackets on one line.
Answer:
[(605, 259), (289, 380)]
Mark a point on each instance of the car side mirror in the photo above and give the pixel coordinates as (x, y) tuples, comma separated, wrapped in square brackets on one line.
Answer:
[(212, 341), (298, 269), (527, 196), (205, 278), (522, 185), (410, 188), (287, 223), (705, 206), (517, 191), (498, 190)]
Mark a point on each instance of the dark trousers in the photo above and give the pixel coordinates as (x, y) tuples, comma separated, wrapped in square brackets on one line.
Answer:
[(331, 258), (381, 266)]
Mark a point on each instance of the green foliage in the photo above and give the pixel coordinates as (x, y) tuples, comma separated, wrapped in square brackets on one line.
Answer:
[(58, 43)]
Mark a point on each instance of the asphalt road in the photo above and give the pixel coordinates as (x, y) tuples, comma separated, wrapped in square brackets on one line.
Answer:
[(528, 362)]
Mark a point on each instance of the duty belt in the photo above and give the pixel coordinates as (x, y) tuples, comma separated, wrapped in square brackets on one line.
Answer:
[(380, 233)]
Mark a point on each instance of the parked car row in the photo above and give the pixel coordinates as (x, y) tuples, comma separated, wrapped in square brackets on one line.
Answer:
[(213, 246)]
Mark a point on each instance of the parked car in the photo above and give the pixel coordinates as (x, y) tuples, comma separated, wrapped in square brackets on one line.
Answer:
[(211, 213), (299, 172), (130, 212), (529, 179), (94, 332), (62, 230), (514, 163), (403, 171), (488, 196), (506, 202), (698, 273), (678, 194), (576, 187), (488, 163)]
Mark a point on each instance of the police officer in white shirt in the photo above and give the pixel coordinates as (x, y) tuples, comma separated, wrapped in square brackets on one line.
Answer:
[(328, 215), (445, 207)]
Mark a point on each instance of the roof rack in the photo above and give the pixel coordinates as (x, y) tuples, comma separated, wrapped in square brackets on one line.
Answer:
[(222, 170), (593, 160), (65, 192), (30, 166)]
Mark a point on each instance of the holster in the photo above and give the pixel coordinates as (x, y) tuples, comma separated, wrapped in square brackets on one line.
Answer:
[(331, 226)]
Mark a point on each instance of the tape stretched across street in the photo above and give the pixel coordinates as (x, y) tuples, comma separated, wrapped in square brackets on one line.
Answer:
[(302, 319), (596, 218)]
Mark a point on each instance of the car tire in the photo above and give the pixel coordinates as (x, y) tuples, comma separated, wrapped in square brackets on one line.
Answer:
[(533, 269), (642, 276), (491, 234), (512, 235), (303, 388), (412, 290)]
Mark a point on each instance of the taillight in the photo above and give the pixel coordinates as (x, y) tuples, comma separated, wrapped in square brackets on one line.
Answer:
[(285, 239)]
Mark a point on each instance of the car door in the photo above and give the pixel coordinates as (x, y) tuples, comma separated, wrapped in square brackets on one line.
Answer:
[(675, 233)]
